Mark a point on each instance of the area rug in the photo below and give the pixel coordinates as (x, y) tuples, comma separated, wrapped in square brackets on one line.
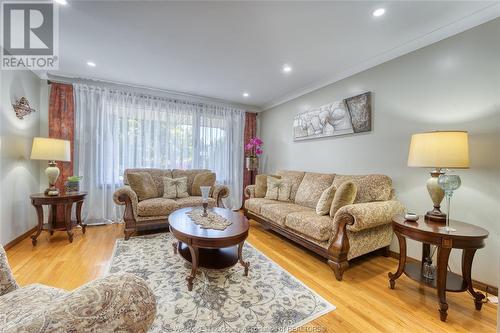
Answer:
[(269, 299)]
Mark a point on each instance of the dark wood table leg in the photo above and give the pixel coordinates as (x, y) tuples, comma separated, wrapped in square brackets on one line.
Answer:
[(195, 258), (443, 254), (175, 245), (39, 227), (67, 220), (79, 206), (467, 258), (402, 261), (52, 219), (245, 264)]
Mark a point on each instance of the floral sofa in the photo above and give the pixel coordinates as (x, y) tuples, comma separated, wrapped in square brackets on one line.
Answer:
[(116, 303), (354, 230), (153, 213)]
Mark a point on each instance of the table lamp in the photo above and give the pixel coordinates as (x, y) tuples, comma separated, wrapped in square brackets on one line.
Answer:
[(51, 150), (438, 150)]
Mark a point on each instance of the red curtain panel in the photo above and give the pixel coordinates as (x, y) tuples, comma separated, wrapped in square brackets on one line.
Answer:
[(250, 132), (62, 124)]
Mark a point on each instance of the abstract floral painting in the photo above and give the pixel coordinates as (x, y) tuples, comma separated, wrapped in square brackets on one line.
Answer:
[(349, 116)]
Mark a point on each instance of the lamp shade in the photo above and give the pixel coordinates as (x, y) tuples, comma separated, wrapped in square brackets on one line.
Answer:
[(51, 150), (439, 149)]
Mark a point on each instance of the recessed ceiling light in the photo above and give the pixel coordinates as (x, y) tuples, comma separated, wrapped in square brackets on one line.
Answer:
[(379, 12), (61, 2), (91, 64), (245, 94), (287, 68)]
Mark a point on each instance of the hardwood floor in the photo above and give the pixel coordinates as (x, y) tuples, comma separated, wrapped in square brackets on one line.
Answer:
[(363, 300)]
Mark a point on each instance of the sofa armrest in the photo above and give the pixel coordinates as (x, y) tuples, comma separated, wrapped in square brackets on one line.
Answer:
[(125, 196), (116, 303), (7, 282), (250, 191), (220, 192), (368, 215)]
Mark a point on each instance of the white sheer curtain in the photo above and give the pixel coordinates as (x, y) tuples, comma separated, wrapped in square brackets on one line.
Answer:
[(116, 130)]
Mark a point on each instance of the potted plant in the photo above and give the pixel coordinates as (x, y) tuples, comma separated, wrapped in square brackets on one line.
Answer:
[(73, 184), (254, 150)]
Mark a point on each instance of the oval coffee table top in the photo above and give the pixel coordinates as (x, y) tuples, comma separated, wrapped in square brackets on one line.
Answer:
[(181, 223)]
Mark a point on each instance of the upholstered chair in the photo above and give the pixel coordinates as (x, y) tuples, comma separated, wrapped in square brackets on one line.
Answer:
[(116, 303)]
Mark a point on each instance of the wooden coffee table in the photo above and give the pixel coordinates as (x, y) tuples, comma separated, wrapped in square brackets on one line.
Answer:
[(209, 248)]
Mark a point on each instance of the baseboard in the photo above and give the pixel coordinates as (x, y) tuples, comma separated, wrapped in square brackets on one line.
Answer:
[(477, 284), (19, 239)]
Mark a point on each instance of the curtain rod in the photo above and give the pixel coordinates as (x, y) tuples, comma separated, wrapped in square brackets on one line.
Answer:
[(149, 90)]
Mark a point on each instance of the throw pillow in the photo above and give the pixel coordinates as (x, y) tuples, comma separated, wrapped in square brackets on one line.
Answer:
[(261, 185), (325, 201), (143, 185), (278, 189), (202, 179), (175, 188), (345, 195)]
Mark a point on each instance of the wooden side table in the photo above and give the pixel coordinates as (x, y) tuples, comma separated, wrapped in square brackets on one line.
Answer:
[(467, 237), (67, 200)]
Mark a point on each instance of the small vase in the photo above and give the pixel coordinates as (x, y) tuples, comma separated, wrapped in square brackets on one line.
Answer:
[(72, 187), (252, 162)]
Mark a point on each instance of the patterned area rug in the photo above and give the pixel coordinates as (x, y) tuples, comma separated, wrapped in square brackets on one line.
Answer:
[(268, 300)]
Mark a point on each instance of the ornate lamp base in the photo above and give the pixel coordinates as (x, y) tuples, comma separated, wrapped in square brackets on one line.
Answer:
[(437, 194)]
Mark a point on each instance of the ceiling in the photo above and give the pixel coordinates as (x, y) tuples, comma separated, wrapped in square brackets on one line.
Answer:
[(222, 49)]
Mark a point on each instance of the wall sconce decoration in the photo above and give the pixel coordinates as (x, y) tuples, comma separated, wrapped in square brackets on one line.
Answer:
[(22, 108)]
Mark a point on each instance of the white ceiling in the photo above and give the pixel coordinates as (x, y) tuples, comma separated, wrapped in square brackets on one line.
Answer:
[(221, 49)]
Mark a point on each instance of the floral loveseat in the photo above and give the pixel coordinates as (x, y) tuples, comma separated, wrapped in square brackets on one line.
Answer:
[(153, 213), (116, 303), (354, 230)]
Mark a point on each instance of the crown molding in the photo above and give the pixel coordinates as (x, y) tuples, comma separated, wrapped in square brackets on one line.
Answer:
[(470, 21)]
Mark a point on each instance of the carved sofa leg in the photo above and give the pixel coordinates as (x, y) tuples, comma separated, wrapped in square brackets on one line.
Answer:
[(128, 233), (386, 251), (338, 268)]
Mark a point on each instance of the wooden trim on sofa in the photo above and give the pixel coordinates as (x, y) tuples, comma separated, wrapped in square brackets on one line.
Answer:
[(477, 284), (336, 254), (18, 239)]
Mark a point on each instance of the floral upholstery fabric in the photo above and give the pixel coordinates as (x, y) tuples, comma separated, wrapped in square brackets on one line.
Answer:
[(368, 240), (156, 174), (32, 297), (250, 191), (189, 174), (370, 214), (156, 206), (194, 202), (295, 177), (203, 179), (344, 195), (220, 192), (7, 282), (261, 185), (370, 187), (143, 185), (278, 189), (126, 191), (310, 224), (116, 303), (311, 188), (325, 201), (175, 188), (255, 204), (278, 212)]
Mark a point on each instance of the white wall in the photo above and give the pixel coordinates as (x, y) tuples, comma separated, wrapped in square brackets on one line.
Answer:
[(453, 84), (19, 176)]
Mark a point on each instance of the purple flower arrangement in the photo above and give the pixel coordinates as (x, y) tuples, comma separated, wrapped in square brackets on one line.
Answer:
[(254, 147)]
